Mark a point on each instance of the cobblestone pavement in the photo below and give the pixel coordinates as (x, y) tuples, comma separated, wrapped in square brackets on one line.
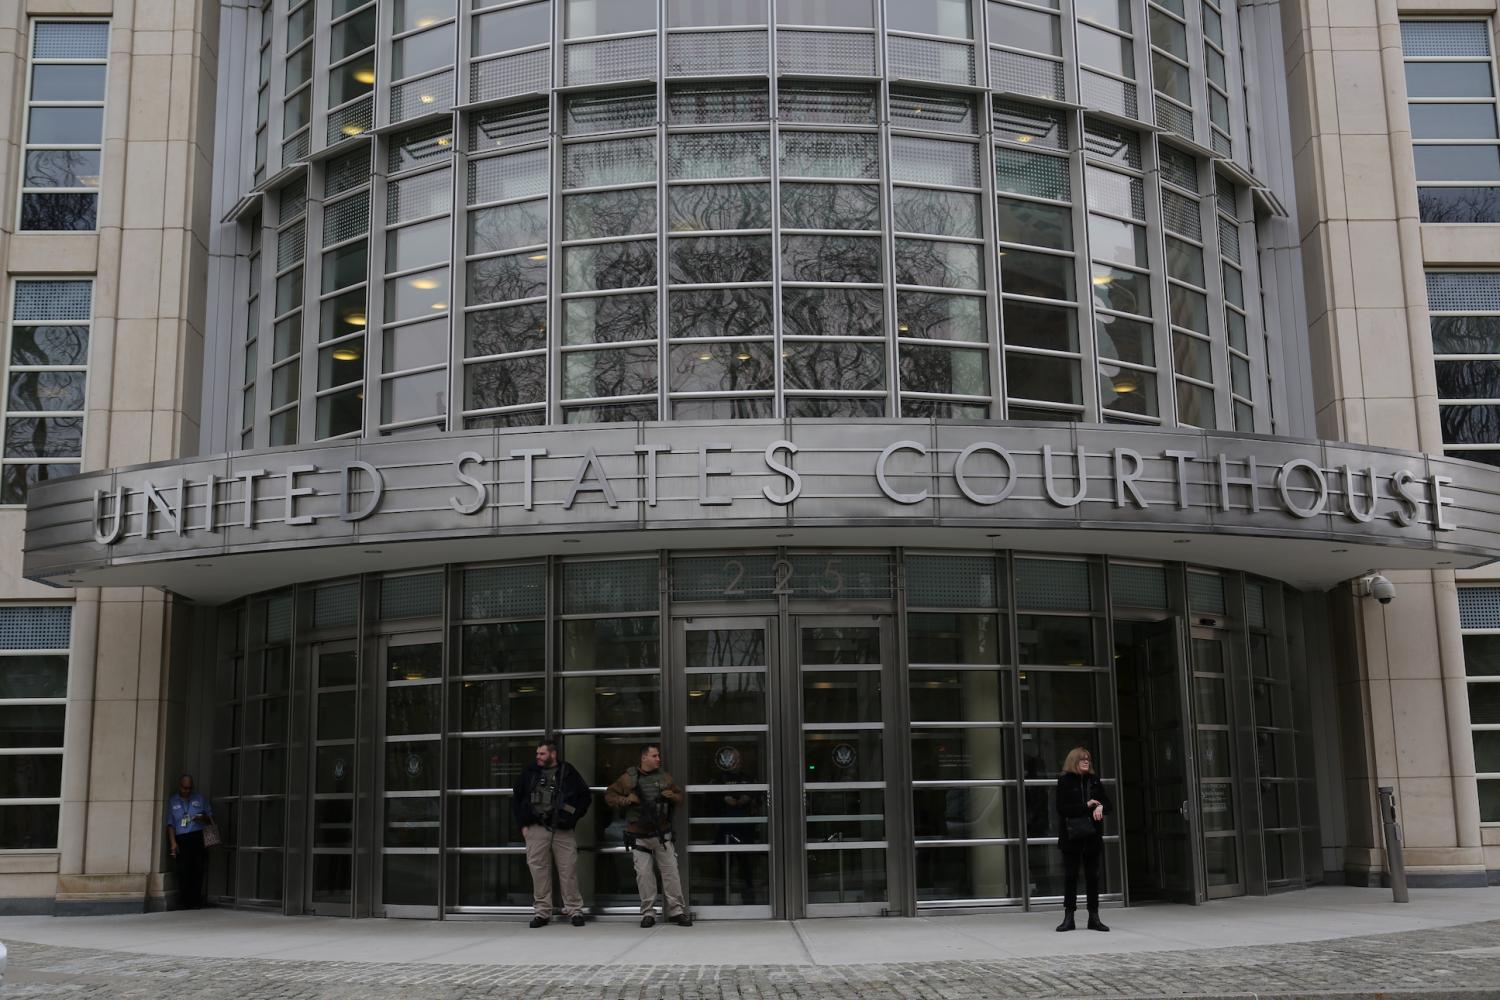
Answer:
[(1461, 961)]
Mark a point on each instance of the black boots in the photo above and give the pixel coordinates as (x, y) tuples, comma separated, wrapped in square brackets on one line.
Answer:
[(1095, 924), (1067, 921)]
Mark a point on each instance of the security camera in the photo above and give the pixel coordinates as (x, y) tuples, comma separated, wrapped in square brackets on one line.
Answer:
[(1377, 586)]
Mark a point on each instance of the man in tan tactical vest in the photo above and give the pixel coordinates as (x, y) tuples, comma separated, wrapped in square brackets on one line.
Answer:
[(647, 794)]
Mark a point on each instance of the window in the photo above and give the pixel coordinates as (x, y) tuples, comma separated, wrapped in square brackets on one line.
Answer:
[(1465, 315), (33, 705), (46, 368), (608, 17), (343, 295), (1479, 616), (1450, 89), (64, 126), (286, 341)]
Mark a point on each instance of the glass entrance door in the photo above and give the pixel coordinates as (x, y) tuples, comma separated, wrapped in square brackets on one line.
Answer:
[(1154, 766), (1217, 806), (727, 687), (411, 667), (330, 877), (840, 831)]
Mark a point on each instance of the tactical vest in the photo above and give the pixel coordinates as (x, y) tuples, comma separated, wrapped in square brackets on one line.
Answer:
[(543, 792), (651, 811)]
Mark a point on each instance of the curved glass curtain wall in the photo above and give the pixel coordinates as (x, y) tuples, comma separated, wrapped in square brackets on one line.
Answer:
[(377, 724), (489, 213)]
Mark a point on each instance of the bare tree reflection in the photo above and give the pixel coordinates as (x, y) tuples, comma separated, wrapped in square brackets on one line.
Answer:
[(508, 226), (505, 331), (942, 213), (609, 213), (833, 312), (938, 265), (707, 260), (928, 368), (620, 371), (1445, 204), (722, 367), (1466, 334), (721, 312), (835, 364), (610, 319), (933, 316), (830, 206), (506, 383), (503, 279), (49, 345), (610, 265), (854, 259), (58, 212), (720, 206)]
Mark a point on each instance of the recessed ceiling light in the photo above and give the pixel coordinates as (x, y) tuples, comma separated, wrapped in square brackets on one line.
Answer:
[(424, 284), (356, 319), (363, 75), (346, 354)]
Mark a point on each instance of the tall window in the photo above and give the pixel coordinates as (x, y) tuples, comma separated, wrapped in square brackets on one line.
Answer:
[(1479, 614), (64, 125), (1465, 310), (45, 374), (33, 703), (1450, 88)]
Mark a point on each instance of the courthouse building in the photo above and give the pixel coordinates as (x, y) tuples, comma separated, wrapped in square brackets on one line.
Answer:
[(870, 400)]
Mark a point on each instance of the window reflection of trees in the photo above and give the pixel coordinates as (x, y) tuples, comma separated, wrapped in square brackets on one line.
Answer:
[(44, 437), (505, 331), (503, 279), (1466, 334), (609, 319), (942, 213), (49, 345), (855, 259), (609, 213), (1470, 425), (626, 371), (714, 259), (721, 312), (58, 212), (820, 312), (722, 367), (610, 265), (506, 383), (925, 368), (508, 226), (1476, 204), (720, 206), (830, 206), (835, 364), (933, 316), (938, 265)]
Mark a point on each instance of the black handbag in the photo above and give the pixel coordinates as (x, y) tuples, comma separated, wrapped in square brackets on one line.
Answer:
[(1078, 828)]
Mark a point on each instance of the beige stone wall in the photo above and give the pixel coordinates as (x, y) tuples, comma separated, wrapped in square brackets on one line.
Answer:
[(1403, 706), (148, 261)]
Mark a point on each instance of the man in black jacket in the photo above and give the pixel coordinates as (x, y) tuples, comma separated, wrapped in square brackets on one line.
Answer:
[(550, 798)]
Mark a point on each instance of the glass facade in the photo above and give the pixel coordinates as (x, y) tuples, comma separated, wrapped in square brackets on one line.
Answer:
[(602, 212), (858, 731)]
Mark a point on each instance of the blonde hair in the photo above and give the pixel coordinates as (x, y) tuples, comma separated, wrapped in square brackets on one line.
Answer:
[(1074, 755)]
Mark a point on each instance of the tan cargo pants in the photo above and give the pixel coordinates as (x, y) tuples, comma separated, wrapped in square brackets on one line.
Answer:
[(649, 850), (543, 848)]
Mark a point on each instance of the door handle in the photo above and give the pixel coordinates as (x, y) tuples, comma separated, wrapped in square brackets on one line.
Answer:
[(1183, 809)]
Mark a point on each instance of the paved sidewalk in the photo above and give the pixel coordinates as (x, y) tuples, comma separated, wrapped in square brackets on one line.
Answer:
[(1327, 941)]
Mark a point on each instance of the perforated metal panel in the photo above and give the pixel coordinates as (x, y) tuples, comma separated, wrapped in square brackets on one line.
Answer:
[(336, 606), (1205, 593), (1017, 73), (929, 59), (711, 53), (1445, 38), (1108, 94), (718, 104), (615, 585), (1179, 168), (417, 596), (1479, 607), (1229, 239), (1116, 193), (854, 577), (710, 155), (55, 301), (1180, 215), (432, 95), (347, 172), (1137, 586), (505, 592), (293, 200), (609, 111), (295, 149), (610, 60), (1037, 127), (827, 103), (413, 197), (1174, 117), (1220, 143), (345, 219), (291, 245), (504, 128), (1103, 141), (1034, 174), (1053, 584), (618, 161), (739, 577), (1463, 291), (24, 627), (420, 147), (351, 120), (498, 178), (509, 76), (1255, 605), (933, 111), (951, 582), (825, 52), (71, 40), (829, 154), (934, 161), (279, 618)]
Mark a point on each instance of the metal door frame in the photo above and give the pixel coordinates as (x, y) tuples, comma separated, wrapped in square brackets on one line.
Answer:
[(317, 650), (794, 824), (1224, 638), (769, 621), (383, 643)]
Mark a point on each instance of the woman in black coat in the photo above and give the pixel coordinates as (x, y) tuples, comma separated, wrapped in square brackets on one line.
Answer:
[(1081, 808)]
